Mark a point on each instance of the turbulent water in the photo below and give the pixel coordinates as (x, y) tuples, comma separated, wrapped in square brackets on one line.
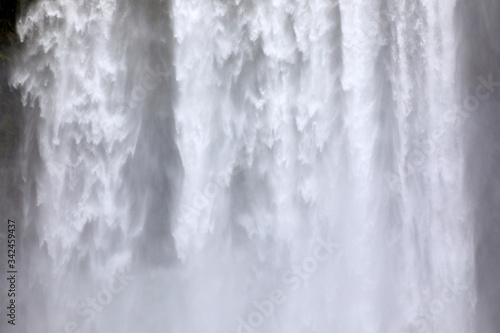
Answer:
[(244, 166)]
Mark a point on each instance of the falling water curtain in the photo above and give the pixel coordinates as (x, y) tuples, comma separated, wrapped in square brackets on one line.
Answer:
[(253, 166)]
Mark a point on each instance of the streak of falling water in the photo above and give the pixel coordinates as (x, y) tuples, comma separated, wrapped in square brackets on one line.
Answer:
[(209, 148)]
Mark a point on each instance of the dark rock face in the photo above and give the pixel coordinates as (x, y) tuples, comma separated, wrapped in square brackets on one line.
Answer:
[(11, 117)]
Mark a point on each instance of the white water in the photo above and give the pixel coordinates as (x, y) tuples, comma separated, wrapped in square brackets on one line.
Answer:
[(270, 127)]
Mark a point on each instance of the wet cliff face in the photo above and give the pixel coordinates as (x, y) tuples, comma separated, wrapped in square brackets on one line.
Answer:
[(11, 119), (478, 25), (9, 129)]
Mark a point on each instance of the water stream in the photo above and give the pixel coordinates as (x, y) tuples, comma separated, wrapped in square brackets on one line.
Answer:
[(244, 166)]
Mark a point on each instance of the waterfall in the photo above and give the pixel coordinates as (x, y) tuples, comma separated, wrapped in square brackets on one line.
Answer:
[(244, 166)]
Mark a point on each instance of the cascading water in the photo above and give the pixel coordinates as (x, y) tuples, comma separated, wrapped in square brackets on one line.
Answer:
[(243, 166)]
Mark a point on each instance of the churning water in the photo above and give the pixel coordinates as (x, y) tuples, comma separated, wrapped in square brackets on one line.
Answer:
[(224, 166)]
